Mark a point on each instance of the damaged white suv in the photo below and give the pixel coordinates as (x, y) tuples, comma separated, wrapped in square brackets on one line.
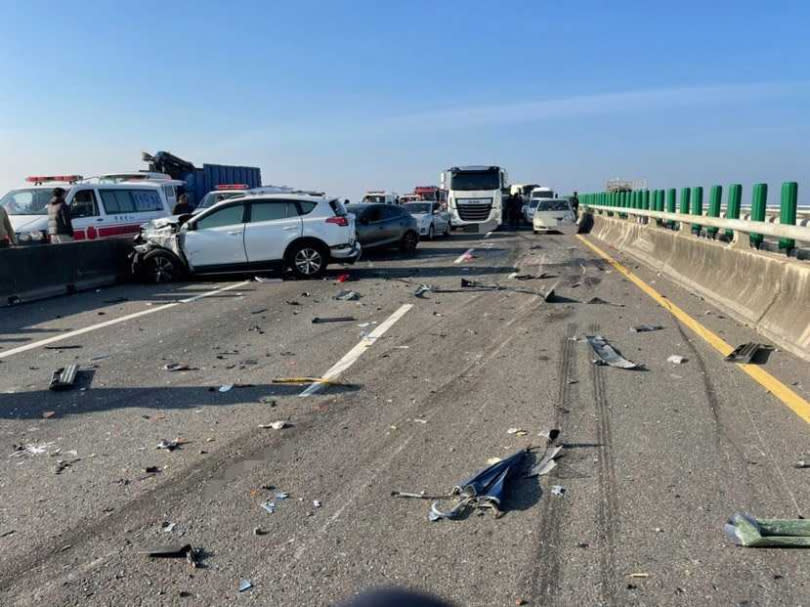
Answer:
[(248, 234)]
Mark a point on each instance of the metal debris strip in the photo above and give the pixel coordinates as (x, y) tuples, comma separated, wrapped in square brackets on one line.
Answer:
[(347, 296), (302, 381), (645, 328), (746, 353), (745, 530), (174, 367), (279, 425), (600, 301), (64, 378), (486, 489), (317, 320), (608, 355), (245, 585)]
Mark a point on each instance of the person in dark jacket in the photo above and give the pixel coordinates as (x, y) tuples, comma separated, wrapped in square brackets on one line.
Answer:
[(575, 203), (6, 229), (515, 204), (182, 207), (60, 227)]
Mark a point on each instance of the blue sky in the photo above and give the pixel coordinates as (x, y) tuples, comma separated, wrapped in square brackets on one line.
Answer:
[(346, 96)]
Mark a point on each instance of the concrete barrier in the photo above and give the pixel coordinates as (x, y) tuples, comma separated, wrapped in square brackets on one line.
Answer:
[(38, 271), (768, 292)]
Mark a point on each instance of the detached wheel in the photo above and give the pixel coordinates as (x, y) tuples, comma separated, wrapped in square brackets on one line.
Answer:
[(160, 267), (308, 260), (408, 243)]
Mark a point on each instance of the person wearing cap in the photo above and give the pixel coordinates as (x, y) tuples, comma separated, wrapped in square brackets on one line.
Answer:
[(60, 227), (6, 229)]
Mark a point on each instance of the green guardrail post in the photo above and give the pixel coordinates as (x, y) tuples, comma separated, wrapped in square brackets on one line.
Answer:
[(758, 204), (787, 212), (683, 209), (697, 208), (659, 204), (671, 204), (733, 205), (645, 200), (715, 197)]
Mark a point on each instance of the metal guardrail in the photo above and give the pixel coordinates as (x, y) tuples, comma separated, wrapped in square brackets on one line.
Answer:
[(798, 232), (688, 207)]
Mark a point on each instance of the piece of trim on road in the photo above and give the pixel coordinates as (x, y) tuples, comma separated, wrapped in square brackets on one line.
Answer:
[(115, 321), (488, 234), (461, 257), (352, 355), (791, 399)]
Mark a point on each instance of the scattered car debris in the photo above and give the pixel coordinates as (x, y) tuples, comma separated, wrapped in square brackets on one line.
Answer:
[(638, 575), (30, 449), (63, 347), (281, 495), (279, 425), (558, 490), (606, 354), (292, 302), (174, 551), (245, 585), (170, 445), (259, 531), (64, 464), (173, 367), (512, 276), (318, 320), (600, 301), (152, 470), (422, 290), (256, 329), (342, 278), (486, 489), (269, 506), (517, 431), (801, 464), (347, 296), (225, 388), (167, 527), (418, 420), (316, 503), (99, 357), (677, 359), (645, 328), (64, 378), (746, 353), (259, 311), (268, 400), (745, 530), (550, 294), (7, 533), (48, 414)]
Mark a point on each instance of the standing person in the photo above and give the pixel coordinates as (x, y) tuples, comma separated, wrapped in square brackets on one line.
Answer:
[(575, 204), (182, 207), (60, 227), (6, 229), (515, 206)]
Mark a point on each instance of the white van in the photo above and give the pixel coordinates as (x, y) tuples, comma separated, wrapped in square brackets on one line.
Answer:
[(98, 209), (380, 196)]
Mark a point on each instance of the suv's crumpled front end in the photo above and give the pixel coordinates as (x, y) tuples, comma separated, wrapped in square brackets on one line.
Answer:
[(158, 234)]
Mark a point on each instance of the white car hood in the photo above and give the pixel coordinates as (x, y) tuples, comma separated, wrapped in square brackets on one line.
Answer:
[(29, 223)]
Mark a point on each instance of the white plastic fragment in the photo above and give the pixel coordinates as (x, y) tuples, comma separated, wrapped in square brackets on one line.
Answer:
[(676, 359)]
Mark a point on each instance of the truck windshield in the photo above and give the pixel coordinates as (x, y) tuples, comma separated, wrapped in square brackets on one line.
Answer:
[(475, 180), (32, 201)]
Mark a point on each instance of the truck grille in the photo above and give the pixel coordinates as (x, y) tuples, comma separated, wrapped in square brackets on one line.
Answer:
[(475, 211)]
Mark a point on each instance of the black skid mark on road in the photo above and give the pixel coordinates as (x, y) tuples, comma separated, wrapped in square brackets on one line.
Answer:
[(546, 576), (608, 510)]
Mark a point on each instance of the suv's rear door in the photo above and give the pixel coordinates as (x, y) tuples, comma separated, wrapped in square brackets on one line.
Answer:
[(217, 239), (273, 224)]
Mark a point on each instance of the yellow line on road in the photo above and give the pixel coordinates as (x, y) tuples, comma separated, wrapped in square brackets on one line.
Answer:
[(795, 402)]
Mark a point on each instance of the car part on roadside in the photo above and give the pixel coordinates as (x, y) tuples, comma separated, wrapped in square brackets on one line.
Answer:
[(801, 464), (170, 445), (174, 551), (676, 359), (547, 463), (64, 378), (63, 464), (599, 300), (746, 530), (558, 490), (422, 290), (269, 506), (606, 354), (225, 388), (746, 353), (550, 294), (645, 328), (341, 278), (66, 347), (347, 296), (318, 320), (174, 367), (486, 489), (48, 414), (279, 425), (245, 585)]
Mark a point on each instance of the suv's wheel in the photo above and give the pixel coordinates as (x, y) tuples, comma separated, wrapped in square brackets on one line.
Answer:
[(430, 232), (408, 243), (308, 260), (159, 266)]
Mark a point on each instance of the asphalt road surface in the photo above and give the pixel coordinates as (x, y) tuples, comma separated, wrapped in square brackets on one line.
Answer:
[(654, 460)]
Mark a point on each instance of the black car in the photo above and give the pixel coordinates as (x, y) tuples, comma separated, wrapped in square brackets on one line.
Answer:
[(385, 225)]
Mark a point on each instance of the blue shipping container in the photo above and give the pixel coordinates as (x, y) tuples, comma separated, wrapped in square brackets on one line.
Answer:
[(201, 181)]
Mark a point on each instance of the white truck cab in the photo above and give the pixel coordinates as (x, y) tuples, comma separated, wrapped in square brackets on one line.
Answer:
[(99, 208), (475, 196)]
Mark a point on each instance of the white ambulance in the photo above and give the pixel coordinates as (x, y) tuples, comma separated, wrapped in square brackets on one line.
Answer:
[(100, 207)]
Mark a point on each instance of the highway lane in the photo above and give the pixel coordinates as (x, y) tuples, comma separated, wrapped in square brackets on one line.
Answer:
[(656, 460)]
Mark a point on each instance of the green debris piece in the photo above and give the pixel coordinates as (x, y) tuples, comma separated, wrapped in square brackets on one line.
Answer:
[(745, 530)]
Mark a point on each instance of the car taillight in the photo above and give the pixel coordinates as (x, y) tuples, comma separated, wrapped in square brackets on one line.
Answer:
[(339, 220)]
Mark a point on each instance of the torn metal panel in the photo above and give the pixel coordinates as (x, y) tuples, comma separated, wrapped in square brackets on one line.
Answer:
[(64, 378), (745, 530), (746, 353), (607, 354)]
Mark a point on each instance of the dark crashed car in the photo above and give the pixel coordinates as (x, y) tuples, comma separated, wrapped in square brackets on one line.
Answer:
[(385, 225)]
